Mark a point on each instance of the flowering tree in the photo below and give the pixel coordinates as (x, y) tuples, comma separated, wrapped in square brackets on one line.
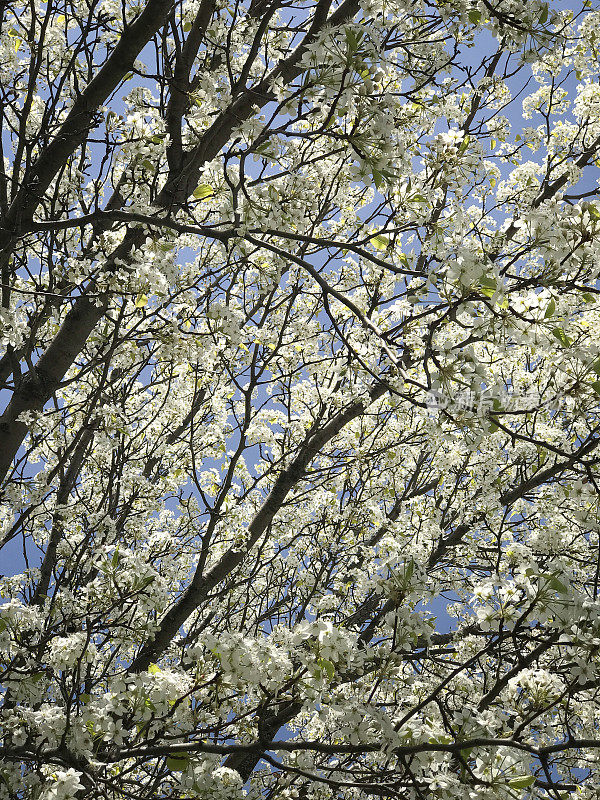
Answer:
[(300, 381)]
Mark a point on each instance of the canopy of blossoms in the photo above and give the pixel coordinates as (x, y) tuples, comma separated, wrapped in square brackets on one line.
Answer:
[(299, 400)]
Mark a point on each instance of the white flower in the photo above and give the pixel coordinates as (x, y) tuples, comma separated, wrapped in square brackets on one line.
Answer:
[(66, 651), (538, 686), (63, 785)]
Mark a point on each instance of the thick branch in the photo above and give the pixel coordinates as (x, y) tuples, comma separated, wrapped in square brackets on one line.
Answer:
[(36, 389), (79, 120), (201, 585)]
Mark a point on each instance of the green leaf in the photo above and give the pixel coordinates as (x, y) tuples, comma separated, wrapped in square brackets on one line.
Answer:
[(596, 366), (263, 149), (380, 242), (544, 15), (475, 16), (588, 298), (178, 762), (141, 300), (187, 26), (562, 337), (203, 191), (488, 286), (488, 282), (554, 583), (351, 40), (115, 559), (596, 386), (2, 625), (593, 211), (378, 179), (466, 752), (522, 782), (442, 739), (327, 666), (550, 309)]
